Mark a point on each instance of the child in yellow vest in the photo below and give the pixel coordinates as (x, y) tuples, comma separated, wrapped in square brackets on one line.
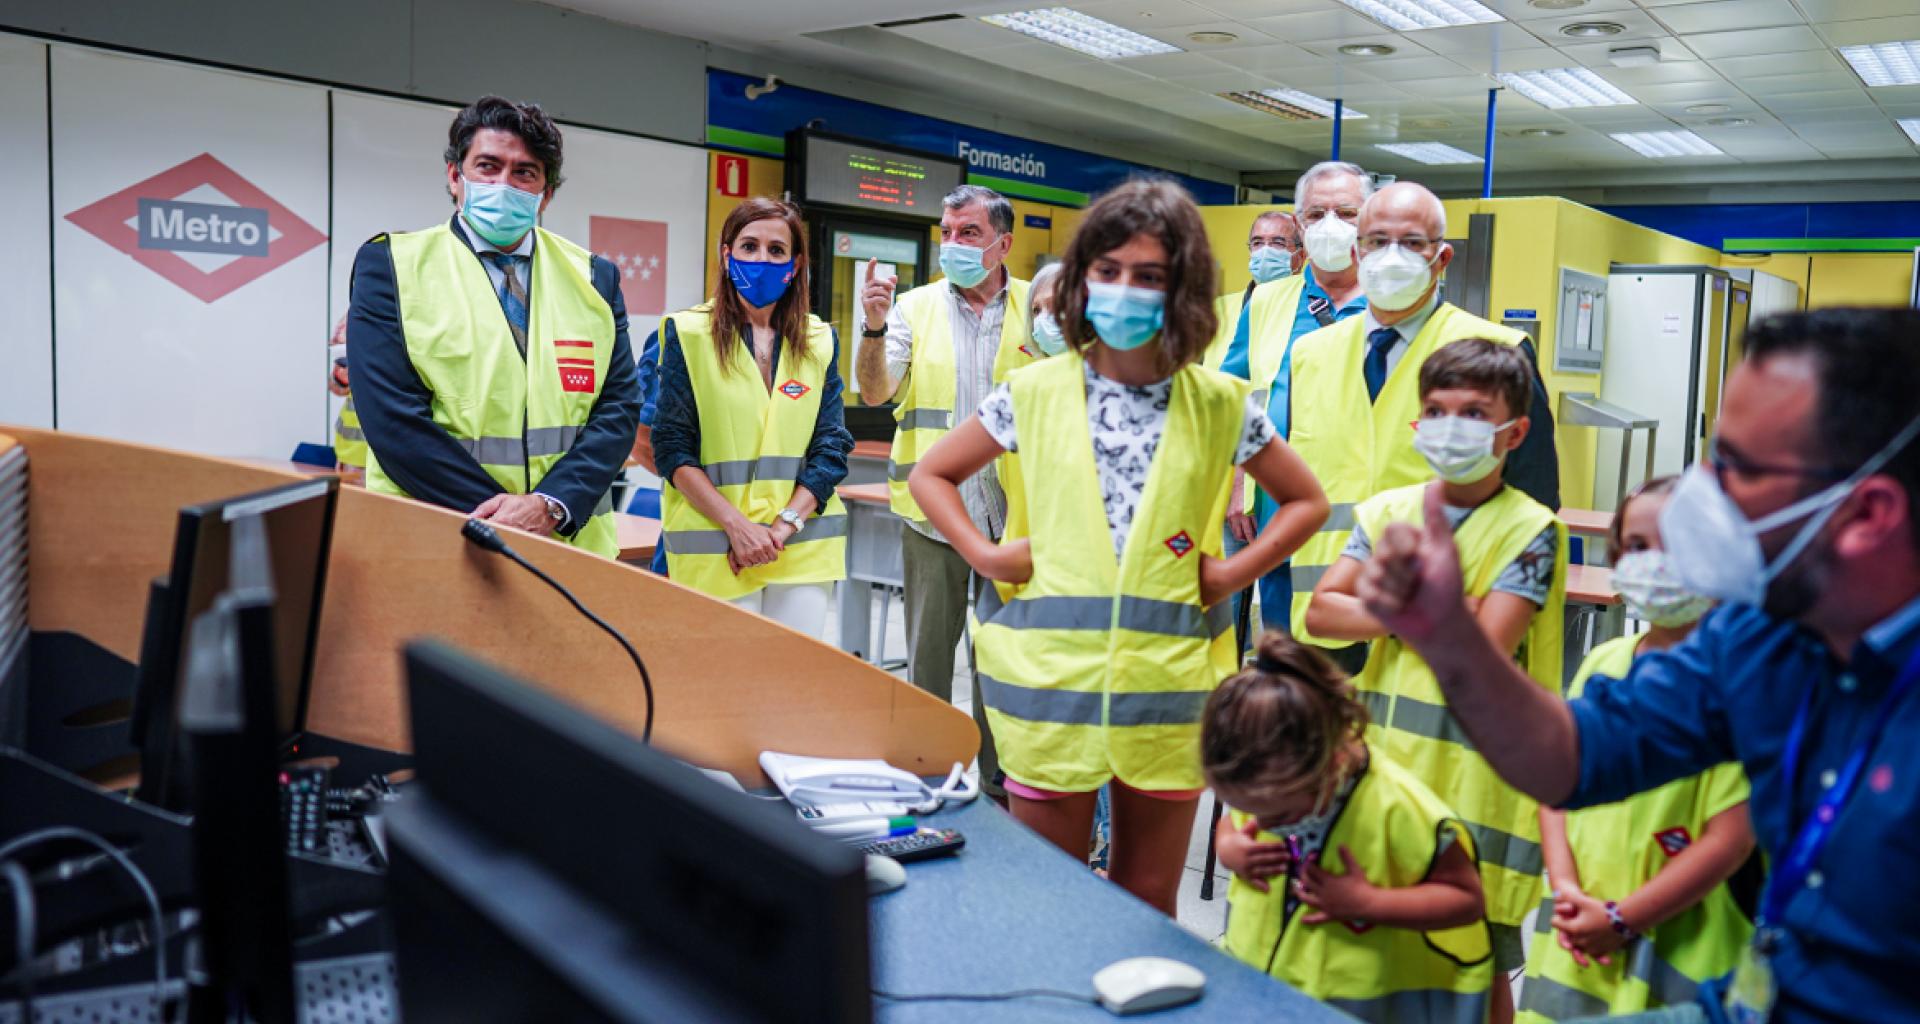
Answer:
[(1474, 396), (1640, 913), (1352, 881), (1097, 665)]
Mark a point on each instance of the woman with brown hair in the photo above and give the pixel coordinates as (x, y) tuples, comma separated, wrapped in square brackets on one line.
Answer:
[(749, 430), (1098, 663)]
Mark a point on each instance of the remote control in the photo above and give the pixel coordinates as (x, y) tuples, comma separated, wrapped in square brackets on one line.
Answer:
[(303, 809), (921, 845)]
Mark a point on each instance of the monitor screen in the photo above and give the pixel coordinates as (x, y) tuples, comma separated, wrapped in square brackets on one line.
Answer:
[(864, 176)]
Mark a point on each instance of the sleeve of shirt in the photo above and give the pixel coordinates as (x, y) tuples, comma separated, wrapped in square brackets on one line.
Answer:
[(1359, 545), (395, 405), (1665, 720), (1531, 575), (1722, 788), (585, 474), (676, 421), (649, 370), (996, 414), (1257, 432), (826, 462), (899, 345)]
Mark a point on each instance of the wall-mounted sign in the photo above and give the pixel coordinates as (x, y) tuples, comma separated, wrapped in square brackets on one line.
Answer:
[(862, 176)]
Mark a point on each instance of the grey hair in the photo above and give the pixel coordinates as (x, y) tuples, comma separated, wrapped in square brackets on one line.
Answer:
[(999, 210), (1042, 278), (1326, 167), (1275, 215)]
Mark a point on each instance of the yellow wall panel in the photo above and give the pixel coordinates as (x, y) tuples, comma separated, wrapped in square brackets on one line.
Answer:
[(1792, 266), (1860, 279)]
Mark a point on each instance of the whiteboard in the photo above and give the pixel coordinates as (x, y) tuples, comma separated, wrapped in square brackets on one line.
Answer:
[(164, 337), (26, 383)]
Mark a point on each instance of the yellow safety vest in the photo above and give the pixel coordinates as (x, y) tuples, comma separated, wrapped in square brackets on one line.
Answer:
[(517, 416), (925, 410), (1619, 848), (1410, 719), (1392, 823), (752, 446), (1357, 450), (349, 443), (1098, 669), (1269, 334)]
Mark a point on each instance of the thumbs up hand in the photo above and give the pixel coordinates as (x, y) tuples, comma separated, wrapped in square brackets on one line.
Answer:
[(876, 295)]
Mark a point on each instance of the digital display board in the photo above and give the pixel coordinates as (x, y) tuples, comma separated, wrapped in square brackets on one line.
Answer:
[(867, 177)]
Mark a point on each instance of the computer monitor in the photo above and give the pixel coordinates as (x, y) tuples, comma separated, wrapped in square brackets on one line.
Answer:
[(298, 523), (545, 865), (232, 742)]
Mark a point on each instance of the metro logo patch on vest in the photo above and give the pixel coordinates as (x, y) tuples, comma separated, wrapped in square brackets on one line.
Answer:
[(794, 389), (1028, 352), (1179, 544), (1673, 840)]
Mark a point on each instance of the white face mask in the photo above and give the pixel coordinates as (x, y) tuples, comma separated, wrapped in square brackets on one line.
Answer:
[(1460, 450), (1329, 243), (1653, 593), (1715, 549), (1394, 279)]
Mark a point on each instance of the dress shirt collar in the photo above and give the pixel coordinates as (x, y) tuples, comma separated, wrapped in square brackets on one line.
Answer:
[(1410, 327)]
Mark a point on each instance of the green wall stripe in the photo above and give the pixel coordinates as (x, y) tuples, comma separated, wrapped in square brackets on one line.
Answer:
[(1820, 244), (1029, 190), (733, 138)]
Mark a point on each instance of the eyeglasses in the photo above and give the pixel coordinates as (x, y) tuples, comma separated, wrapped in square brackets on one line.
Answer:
[(1350, 214), (1722, 461), (1272, 242), (1421, 247)]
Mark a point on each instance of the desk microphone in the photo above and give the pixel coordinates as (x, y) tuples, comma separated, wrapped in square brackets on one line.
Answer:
[(483, 535)]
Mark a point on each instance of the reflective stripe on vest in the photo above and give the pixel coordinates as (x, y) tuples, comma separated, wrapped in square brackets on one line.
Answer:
[(753, 445), (1410, 720), (925, 412), (1097, 667), (516, 415), (1391, 824), (1356, 448)]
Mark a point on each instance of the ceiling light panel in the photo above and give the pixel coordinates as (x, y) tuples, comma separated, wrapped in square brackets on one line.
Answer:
[(1885, 63), (1911, 125), (1411, 15), (1560, 88), (1064, 26), (1662, 145), (1291, 104), (1429, 152)]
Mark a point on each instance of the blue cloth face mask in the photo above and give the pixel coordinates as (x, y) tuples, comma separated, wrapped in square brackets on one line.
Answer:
[(1124, 317), (963, 264), (501, 214), (1047, 335), (1269, 263), (759, 284)]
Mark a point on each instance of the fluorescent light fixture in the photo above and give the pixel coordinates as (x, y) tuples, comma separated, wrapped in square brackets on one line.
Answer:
[(1885, 63), (1408, 15), (1291, 104), (1665, 144), (1911, 125), (1429, 152), (1064, 26), (1560, 88)]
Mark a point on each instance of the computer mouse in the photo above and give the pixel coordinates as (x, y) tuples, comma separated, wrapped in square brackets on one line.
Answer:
[(884, 874), (1143, 984)]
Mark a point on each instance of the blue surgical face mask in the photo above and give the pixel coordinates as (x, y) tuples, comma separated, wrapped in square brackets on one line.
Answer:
[(501, 214), (1269, 263), (963, 264), (1047, 334), (759, 284), (1125, 317)]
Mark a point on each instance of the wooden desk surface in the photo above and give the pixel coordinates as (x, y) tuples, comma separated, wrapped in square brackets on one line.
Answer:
[(1587, 521), (866, 494), (872, 449), (1591, 584), (636, 535)]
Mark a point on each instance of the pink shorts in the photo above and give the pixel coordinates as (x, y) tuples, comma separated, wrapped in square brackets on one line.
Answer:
[(1026, 792)]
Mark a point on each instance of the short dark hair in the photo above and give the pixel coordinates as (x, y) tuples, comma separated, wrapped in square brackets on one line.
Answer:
[(1868, 363), (999, 210), (1164, 210), (1617, 530), (526, 120), (1482, 365)]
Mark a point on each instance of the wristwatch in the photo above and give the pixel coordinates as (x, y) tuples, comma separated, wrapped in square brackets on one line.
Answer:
[(870, 332), (555, 510), (792, 518)]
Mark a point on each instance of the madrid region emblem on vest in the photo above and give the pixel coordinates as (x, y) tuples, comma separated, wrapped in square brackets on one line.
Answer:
[(1673, 840), (576, 373), (794, 389), (1179, 544)]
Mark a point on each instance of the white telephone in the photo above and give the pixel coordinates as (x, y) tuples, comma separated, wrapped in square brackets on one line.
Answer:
[(824, 782)]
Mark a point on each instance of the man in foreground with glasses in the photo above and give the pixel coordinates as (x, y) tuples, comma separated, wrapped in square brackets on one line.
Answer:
[(1355, 394), (1804, 524)]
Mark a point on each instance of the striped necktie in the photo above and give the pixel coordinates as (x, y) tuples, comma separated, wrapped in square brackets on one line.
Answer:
[(513, 294)]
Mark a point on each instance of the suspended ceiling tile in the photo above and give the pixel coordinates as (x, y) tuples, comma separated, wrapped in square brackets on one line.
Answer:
[(1687, 92), (1768, 150), (1032, 56), (1404, 47), (1836, 100), (1246, 37), (1633, 24), (1396, 69), (961, 34), (1362, 96), (1775, 85), (1854, 10), (1521, 10), (1838, 120), (1147, 16), (1902, 147), (1901, 99), (1231, 80), (1477, 38), (1453, 86), (1320, 24), (1241, 10), (1595, 54), (1513, 60), (1168, 65), (1804, 62), (1331, 79), (1752, 42), (1269, 58), (1728, 15), (1663, 73), (1878, 30), (1102, 75)]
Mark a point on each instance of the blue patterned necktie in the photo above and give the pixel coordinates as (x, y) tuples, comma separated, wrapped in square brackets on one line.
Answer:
[(1379, 343), (513, 293)]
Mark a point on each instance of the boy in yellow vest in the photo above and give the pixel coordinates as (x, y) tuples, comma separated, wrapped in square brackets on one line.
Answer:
[(1473, 399)]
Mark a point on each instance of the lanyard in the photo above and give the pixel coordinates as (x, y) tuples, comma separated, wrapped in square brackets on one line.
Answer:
[(1814, 833)]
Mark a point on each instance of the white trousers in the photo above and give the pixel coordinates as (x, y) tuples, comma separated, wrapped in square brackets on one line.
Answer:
[(798, 606)]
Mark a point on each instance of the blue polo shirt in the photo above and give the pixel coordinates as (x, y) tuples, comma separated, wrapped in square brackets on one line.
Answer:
[(1730, 693)]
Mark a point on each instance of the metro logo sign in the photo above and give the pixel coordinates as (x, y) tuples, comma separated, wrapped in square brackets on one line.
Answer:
[(167, 215)]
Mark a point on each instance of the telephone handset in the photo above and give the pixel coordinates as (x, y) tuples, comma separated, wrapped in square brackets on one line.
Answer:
[(823, 782)]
